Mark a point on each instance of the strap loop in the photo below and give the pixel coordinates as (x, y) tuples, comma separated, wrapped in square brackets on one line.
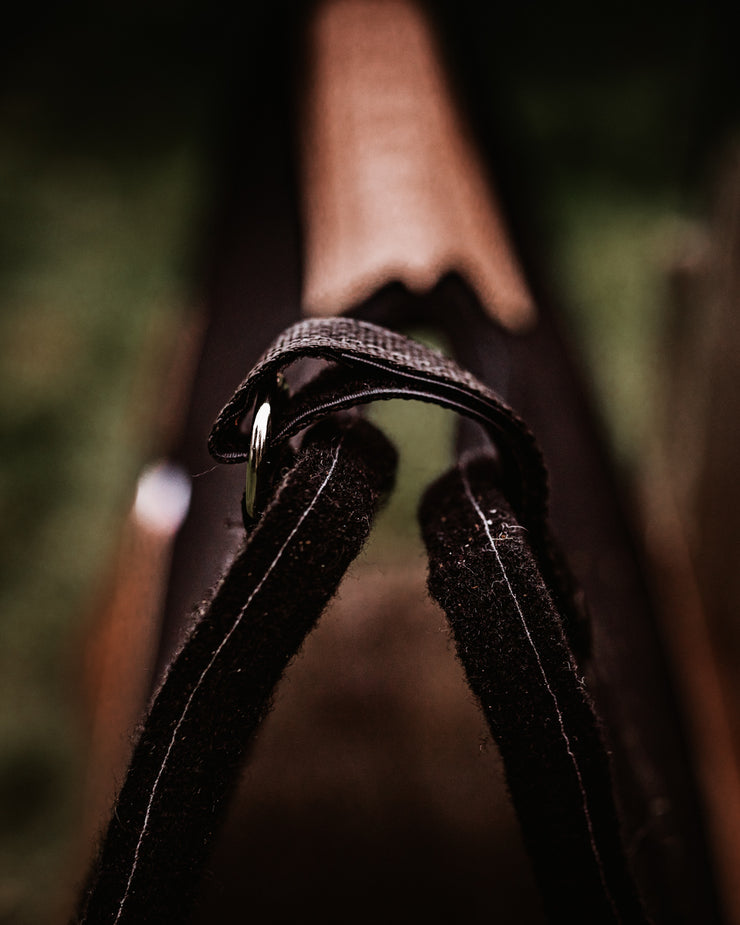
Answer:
[(377, 364)]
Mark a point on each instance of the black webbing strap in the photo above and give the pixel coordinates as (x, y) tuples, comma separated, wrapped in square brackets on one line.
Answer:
[(510, 640), (514, 643), (219, 687)]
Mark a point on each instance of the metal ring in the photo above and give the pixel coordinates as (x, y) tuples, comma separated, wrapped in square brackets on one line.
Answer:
[(257, 444)]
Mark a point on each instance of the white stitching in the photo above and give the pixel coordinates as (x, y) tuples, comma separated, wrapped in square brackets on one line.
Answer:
[(205, 671), (551, 692)]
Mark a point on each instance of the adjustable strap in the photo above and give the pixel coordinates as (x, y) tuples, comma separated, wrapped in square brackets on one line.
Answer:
[(518, 662), (219, 687)]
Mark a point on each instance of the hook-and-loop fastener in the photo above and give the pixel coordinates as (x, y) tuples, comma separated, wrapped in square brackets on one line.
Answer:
[(374, 363)]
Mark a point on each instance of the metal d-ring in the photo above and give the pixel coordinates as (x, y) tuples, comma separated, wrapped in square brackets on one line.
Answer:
[(257, 445)]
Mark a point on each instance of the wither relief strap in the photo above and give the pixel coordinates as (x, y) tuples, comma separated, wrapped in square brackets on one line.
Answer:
[(219, 687)]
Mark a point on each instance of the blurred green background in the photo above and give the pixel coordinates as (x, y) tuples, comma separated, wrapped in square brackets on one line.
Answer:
[(108, 117)]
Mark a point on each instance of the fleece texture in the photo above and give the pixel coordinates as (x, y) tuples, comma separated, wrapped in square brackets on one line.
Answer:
[(220, 686), (519, 664)]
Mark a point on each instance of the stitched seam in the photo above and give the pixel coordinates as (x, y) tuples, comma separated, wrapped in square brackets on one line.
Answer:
[(208, 667), (551, 692)]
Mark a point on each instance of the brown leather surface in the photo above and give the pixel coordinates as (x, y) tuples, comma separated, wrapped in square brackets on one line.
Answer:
[(393, 185)]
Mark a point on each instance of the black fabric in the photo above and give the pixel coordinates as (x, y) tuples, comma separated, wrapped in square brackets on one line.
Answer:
[(510, 640), (381, 364), (613, 631), (219, 687)]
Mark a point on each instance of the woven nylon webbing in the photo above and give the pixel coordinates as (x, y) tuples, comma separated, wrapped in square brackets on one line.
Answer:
[(381, 364)]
